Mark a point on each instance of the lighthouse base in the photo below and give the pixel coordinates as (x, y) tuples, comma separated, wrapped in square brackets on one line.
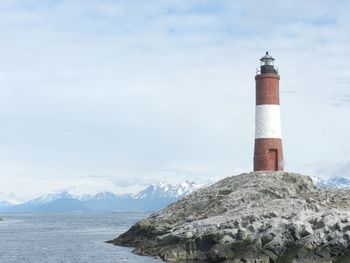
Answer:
[(268, 154)]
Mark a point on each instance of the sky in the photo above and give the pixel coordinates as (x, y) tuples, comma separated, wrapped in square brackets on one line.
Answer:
[(99, 95)]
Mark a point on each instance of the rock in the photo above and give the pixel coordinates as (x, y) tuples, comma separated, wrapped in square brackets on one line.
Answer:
[(226, 239), (260, 217)]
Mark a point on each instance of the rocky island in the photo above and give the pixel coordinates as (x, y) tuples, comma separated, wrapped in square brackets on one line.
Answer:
[(258, 217)]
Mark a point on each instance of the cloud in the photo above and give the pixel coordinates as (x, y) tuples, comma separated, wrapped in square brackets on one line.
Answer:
[(163, 89), (327, 170)]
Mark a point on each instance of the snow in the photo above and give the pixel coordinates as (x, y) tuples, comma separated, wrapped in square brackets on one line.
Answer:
[(334, 182), (154, 191), (44, 199), (8, 199), (167, 190)]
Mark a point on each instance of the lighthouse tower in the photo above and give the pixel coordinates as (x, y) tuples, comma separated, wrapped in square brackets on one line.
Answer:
[(268, 155)]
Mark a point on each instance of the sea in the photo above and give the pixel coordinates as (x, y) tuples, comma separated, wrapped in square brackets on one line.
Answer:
[(61, 238)]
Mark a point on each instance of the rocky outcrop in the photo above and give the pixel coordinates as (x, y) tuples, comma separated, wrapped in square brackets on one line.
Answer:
[(260, 217)]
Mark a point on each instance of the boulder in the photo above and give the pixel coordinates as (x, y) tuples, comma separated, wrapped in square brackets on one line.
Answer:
[(258, 217)]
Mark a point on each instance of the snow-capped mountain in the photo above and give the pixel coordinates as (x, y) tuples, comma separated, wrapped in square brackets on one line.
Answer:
[(108, 196), (167, 190), (47, 198), (152, 198), (334, 182), (8, 199)]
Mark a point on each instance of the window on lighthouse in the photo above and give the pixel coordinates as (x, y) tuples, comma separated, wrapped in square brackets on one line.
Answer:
[(267, 62)]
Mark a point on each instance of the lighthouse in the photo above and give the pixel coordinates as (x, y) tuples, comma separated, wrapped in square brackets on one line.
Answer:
[(268, 155)]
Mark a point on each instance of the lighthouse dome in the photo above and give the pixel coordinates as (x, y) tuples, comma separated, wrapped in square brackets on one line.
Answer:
[(267, 59), (267, 64)]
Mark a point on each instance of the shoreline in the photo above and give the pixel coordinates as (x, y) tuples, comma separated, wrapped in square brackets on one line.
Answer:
[(260, 217)]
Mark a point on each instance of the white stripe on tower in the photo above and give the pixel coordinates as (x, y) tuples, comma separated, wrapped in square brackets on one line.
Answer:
[(267, 121)]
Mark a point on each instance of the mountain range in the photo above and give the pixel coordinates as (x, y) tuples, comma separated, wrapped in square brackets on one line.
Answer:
[(333, 182), (154, 197)]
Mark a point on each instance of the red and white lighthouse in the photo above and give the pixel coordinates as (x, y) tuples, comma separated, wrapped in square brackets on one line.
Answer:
[(268, 155)]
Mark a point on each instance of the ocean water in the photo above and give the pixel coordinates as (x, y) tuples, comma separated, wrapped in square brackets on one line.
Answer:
[(61, 238)]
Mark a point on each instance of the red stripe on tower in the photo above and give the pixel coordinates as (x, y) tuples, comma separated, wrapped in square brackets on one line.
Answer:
[(268, 154)]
